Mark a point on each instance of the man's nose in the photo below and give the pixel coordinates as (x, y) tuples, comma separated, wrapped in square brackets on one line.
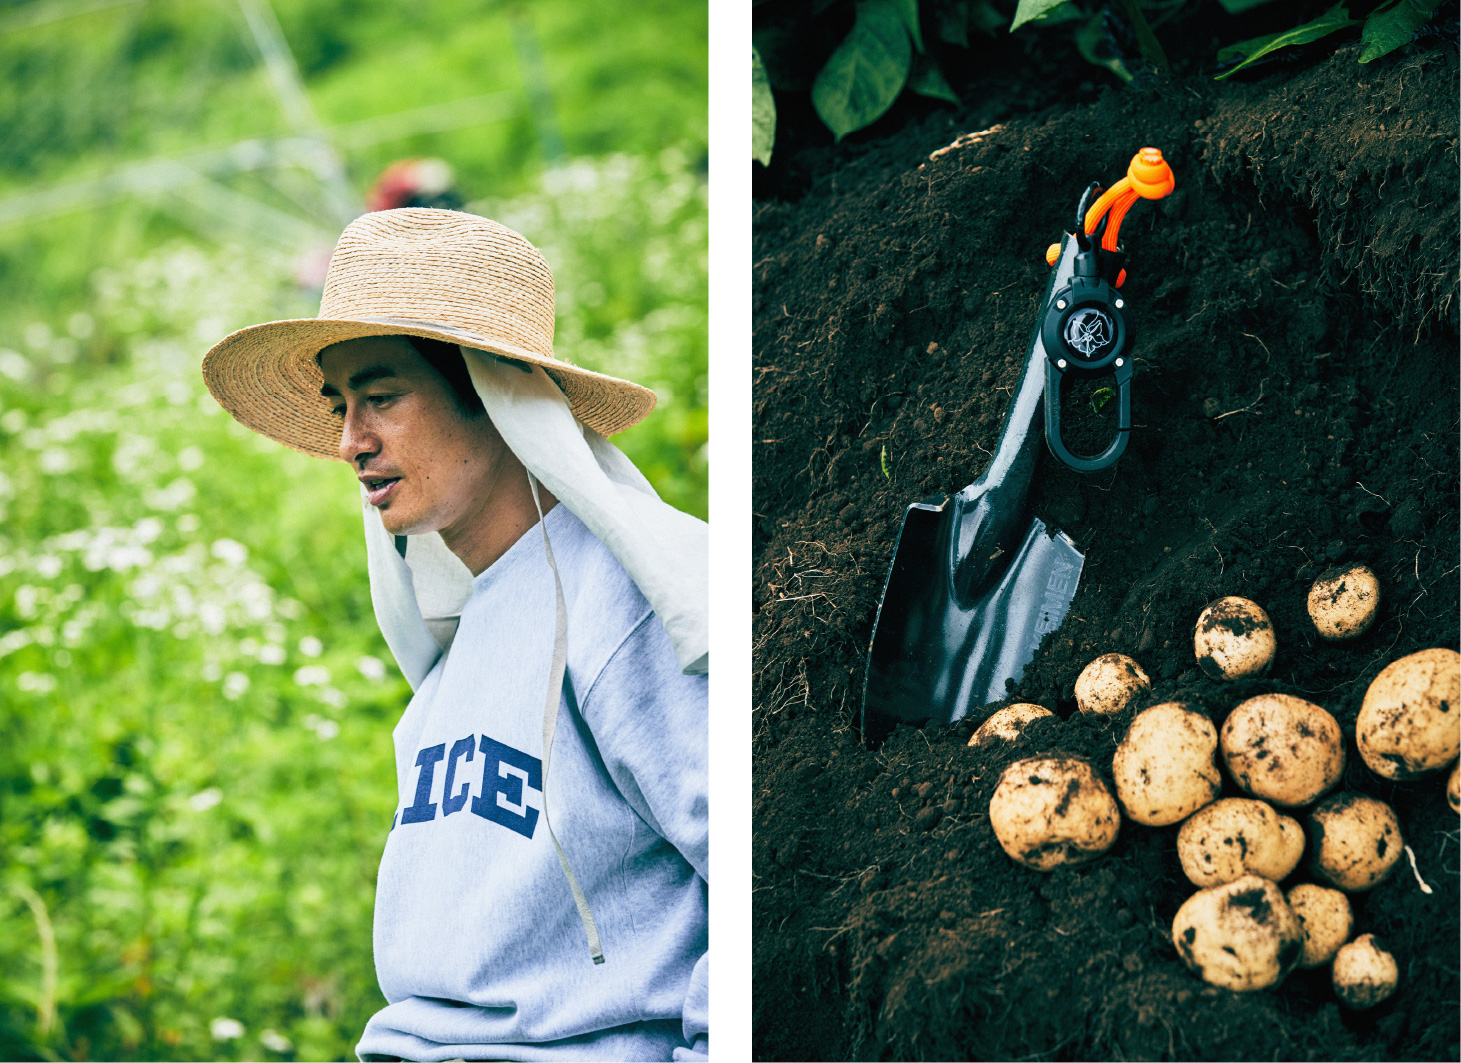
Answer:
[(357, 440)]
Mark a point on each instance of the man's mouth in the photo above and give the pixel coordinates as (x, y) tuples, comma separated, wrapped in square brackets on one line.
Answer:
[(379, 488)]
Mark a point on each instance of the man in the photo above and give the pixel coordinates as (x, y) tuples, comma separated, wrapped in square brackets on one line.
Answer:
[(542, 894)]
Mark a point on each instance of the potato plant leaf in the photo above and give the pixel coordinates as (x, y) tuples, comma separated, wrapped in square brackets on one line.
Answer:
[(1388, 28), (1237, 7), (985, 17), (928, 80), (908, 9), (1336, 18), (867, 71), (763, 112), (1091, 42), (953, 24), (1029, 10)]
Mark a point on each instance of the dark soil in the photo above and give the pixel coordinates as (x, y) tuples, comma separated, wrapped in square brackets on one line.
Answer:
[(1297, 406)]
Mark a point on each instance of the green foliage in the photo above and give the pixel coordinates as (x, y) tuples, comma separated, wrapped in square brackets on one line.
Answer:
[(928, 80), (1333, 20), (1237, 7), (867, 71), (763, 112), (1391, 25), (1031, 10)]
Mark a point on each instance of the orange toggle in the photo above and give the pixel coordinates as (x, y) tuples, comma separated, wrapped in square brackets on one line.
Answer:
[(1148, 177), (1051, 254), (1121, 278)]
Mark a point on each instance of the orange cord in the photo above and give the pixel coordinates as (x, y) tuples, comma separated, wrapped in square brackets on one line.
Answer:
[(1148, 177)]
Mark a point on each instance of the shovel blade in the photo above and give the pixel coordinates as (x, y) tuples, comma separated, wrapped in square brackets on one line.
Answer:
[(935, 658)]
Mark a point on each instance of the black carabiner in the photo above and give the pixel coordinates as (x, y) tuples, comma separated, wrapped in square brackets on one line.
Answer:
[(1087, 333)]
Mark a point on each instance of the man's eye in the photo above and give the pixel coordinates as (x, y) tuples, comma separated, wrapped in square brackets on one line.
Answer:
[(379, 400), (338, 411)]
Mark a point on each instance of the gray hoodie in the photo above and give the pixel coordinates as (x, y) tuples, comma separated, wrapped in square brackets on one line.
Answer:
[(479, 949)]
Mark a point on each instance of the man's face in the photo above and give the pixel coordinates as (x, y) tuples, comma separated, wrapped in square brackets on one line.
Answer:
[(426, 465)]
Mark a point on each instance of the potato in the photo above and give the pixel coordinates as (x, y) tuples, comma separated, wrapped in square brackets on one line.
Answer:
[(1453, 789), (1235, 837), (1354, 841), (1364, 972), (1327, 921), (1048, 812), (1343, 601), (1410, 721), (1233, 639), (1241, 935), (1110, 683), (1007, 723), (1166, 766), (1283, 749)]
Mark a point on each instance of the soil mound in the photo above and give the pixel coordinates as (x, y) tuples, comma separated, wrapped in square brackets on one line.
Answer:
[(1296, 405)]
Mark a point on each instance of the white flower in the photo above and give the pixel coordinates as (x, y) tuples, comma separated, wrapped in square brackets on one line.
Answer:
[(323, 728), (212, 672), (49, 566), (147, 529), (311, 675), (231, 552), (188, 523), (235, 684), (14, 365), (55, 460), (331, 696), (271, 654), (373, 668), (190, 458), (226, 1029), (275, 1041), (311, 646), (203, 800)]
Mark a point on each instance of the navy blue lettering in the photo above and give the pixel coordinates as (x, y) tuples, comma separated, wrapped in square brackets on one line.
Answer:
[(424, 810), (455, 802), (505, 771)]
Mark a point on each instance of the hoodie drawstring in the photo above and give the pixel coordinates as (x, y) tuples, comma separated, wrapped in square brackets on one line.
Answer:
[(550, 721)]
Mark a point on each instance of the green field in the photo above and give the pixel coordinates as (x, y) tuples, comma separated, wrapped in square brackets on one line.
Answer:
[(196, 774)]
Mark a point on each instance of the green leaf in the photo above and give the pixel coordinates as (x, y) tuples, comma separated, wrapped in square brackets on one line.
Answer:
[(1388, 28), (985, 18), (908, 9), (866, 72), (1237, 7), (1336, 18), (1047, 11), (1091, 42), (763, 112), (928, 80), (953, 24)]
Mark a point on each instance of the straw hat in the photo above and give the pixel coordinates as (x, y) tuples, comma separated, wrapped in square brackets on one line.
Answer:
[(441, 274)]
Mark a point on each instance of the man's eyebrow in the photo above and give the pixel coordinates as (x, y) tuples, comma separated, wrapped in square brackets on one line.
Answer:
[(359, 379)]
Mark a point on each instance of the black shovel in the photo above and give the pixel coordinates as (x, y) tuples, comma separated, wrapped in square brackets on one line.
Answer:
[(975, 582)]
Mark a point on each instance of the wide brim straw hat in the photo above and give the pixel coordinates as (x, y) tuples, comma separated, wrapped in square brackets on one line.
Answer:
[(440, 274)]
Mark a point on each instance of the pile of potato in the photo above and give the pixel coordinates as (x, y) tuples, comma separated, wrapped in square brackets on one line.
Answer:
[(1240, 930)]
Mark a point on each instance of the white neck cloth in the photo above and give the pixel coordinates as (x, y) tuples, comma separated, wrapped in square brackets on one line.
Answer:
[(664, 550)]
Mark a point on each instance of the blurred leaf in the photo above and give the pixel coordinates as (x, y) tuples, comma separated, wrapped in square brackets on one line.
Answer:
[(1047, 12), (953, 24), (1095, 48), (763, 112), (985, 17), (1388, 28), (866, 72), (1333, 20), (1237, 7), (908, 9), (928, 80)]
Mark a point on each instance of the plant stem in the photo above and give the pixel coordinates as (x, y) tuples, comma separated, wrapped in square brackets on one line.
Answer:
[(1150, 46)]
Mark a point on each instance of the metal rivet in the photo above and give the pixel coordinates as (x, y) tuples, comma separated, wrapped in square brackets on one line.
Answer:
[(1119, 304), (1060, 304), (1061, 363), (1120, 361)]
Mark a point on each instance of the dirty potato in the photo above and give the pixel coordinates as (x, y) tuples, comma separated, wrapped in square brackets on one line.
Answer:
[(1234, 638), (1048, 812), (1007, 723), (1410, 721), (1365, 973), (1453, 789), (1235, 837), (1354, 841), (1166, 766), (1283, 749), (1241, 935), (1343, 601), (1110, 683), (1327, 921)]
